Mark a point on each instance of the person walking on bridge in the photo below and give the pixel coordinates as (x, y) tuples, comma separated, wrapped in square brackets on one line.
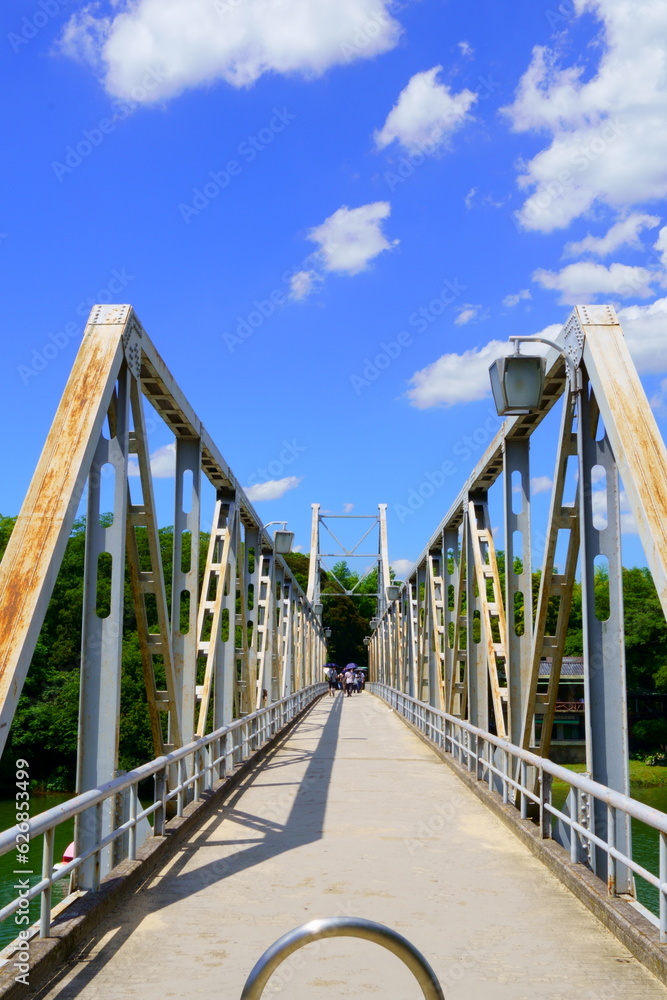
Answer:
[(332, 677)]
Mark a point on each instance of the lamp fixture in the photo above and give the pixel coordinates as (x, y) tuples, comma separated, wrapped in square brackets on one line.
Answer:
[(517, 380)]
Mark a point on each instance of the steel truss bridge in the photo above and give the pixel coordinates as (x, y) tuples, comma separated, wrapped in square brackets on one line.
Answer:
[(233, 669)]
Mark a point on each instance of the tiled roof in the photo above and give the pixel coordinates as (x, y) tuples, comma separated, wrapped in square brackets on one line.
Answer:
[(572, 666)]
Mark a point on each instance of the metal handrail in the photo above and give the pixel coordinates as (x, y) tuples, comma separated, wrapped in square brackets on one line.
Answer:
[(329, 927), (442, 729), (647, 814), (253, 730)]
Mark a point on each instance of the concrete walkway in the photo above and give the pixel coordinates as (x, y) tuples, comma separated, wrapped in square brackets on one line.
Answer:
[(353, 814)]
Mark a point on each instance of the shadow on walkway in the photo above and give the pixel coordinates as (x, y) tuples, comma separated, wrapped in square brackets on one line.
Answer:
[(304, 825)]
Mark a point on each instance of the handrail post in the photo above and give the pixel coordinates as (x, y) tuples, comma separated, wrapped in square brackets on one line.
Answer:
[(574, 836), (97, 859), (47, 871), (663, 888), (229, 753), (132, 833), (523, 780), (161, 797), (545, 799), (481, 747), (611, 842), (180, 795)]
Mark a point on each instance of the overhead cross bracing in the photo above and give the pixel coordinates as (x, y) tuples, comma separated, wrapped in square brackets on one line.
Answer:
[(344, 551)]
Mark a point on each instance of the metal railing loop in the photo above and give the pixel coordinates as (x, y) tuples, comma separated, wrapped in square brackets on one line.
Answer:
[(328, 927)]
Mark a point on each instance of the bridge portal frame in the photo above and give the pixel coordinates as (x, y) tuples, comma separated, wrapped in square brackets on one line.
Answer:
[(381, 558), (469, 632)]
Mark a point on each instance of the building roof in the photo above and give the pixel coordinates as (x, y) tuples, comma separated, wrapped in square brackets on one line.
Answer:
[(572, 667)]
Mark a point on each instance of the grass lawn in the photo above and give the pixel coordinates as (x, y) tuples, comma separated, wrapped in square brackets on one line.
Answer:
[(641, 776)]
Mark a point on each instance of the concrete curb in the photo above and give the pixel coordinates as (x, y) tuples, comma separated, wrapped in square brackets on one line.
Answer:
[(637, 933), (77, 923)]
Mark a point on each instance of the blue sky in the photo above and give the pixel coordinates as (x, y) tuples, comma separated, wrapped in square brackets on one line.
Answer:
[(288, 191)]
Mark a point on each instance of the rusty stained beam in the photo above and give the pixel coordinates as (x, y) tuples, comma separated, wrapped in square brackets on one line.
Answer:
[(30, 565), (634, 436), (35, 550)]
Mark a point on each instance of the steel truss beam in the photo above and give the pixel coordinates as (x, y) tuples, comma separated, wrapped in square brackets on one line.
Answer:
[(493, 649), (116, 369)]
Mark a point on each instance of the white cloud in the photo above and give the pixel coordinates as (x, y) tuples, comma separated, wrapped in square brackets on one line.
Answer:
[(163, 462), (302, 283), (541, 484), (623, 233), (272, 489), (469, 198), (466, 314), (401, 567), (352, 237), (582, 281), (645, 329), (466, 49), (661, 245), (607, 139), (347, 508), (463, 378), (513, 300), (190, 43), (425, 114)]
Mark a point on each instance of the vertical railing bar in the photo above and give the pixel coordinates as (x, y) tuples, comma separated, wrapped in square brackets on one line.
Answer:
[(574, 836), (132, 833), (523, 771), (663, 888), (545, 799), (47, 871), (611, 843)]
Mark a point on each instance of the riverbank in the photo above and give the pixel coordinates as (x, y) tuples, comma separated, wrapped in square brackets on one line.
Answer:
[(641, 776)]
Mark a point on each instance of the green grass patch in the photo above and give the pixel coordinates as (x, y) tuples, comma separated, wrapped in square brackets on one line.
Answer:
[(641, 776)]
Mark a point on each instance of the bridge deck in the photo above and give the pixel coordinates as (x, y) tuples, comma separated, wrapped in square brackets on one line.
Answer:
[(353, 814)]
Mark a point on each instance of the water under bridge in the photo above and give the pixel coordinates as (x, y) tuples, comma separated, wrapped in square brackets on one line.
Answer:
[(430, 802)]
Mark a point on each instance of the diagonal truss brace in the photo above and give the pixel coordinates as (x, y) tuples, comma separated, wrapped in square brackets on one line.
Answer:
[(151, 582), (562, 517), (491, 607)]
